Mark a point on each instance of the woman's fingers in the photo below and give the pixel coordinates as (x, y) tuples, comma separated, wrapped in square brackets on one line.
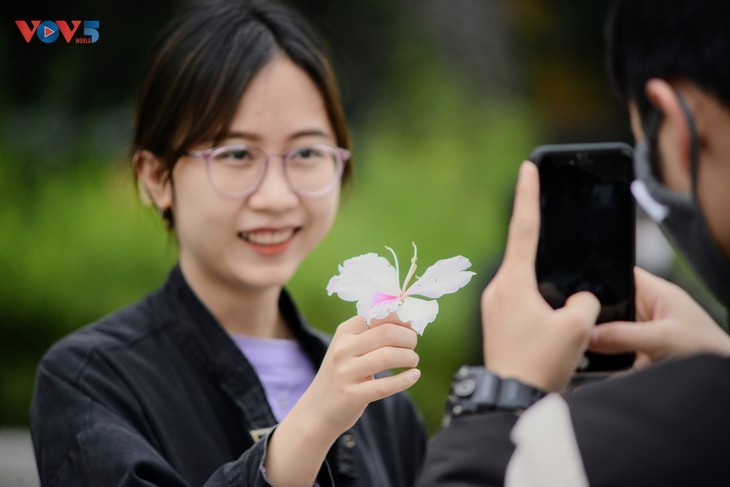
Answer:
[(354, 338), (380, 359), (386, 335), (383, 387)]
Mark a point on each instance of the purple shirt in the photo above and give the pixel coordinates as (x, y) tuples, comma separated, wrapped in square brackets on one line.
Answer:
[(283, 368)]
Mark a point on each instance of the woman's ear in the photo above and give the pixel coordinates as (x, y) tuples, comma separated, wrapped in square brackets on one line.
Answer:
[(674, 139), (154, 178)]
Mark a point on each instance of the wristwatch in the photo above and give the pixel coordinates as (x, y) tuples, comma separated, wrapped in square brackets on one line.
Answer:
[(476, 389)]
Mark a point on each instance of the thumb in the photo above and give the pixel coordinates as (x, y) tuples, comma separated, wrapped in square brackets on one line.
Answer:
[(578, 316), (583, 305), (353, 326), (391, 318), (524, 227)]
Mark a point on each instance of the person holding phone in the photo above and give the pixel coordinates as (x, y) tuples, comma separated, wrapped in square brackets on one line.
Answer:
[(241, 144), (667, 423)]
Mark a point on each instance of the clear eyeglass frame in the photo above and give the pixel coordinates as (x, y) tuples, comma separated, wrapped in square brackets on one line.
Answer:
[(339, 157)]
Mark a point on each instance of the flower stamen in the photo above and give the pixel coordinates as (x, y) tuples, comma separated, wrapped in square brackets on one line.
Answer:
[(411, 271), (395, 258)]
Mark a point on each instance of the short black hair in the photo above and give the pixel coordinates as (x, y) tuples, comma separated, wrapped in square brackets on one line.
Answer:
[(671, 40), (205, 60)]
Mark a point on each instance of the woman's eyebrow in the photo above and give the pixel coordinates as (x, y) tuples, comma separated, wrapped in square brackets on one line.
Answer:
[(252, 137), (241, 135), (309, 133)]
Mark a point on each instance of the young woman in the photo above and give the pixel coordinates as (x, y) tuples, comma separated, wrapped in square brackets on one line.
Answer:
[(215, 379)]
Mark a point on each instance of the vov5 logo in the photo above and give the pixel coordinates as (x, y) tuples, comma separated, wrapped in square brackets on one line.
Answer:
[(48, 30)]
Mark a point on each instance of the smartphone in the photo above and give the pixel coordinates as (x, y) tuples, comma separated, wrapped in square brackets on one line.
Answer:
[(587, 233)]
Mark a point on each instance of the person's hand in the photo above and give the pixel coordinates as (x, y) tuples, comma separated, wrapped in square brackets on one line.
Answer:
[(524, 338), (339, 394), (344, 385), (669, 324)]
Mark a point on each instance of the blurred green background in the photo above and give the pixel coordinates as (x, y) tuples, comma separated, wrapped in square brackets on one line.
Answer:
[(445, 99)]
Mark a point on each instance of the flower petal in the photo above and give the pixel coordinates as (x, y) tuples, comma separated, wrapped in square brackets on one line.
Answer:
[(444, 277), (378, 306), (419, 312), (362, 276), (371, 281)]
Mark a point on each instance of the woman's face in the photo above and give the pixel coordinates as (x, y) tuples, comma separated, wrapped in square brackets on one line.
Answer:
[(256, 242)]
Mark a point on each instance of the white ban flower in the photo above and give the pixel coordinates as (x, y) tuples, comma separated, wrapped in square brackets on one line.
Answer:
[(375, 284)]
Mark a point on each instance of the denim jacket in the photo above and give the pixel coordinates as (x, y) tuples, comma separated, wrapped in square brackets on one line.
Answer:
[(158, 394)]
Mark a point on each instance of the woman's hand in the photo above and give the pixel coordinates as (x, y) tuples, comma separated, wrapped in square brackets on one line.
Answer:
[(339, 394), (669, 324), (344, 385)]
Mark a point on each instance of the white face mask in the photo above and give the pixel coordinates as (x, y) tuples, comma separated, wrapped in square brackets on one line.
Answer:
[(679, 215)]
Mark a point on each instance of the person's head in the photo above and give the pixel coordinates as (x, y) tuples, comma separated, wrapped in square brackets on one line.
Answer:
[(251, 76), (682, 40), (668, 62)]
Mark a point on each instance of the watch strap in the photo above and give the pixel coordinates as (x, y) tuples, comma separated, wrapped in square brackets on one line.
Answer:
[(477, 389)]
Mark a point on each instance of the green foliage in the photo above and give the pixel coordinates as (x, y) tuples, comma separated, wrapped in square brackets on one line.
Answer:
[(434, 165), (76, 248)]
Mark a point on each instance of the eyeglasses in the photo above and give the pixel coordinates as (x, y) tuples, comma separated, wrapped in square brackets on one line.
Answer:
[(238, 170)]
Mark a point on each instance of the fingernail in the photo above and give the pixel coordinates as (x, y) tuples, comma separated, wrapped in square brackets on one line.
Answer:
[(416, 374), (521, 173), (523, 167)]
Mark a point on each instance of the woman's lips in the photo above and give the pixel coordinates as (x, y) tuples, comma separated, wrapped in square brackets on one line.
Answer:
[(269, 241)]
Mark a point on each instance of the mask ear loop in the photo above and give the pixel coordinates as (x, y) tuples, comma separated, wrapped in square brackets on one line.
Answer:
[(694, 150), (651, 129)]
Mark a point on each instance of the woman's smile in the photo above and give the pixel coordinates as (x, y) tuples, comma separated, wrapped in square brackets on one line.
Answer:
[(257, 240), (269, 241)]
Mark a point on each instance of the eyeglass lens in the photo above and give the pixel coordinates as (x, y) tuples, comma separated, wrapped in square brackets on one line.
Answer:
[(309, 169)]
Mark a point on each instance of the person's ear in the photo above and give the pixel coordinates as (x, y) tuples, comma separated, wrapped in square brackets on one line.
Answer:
[(154, 178), (674, 137)]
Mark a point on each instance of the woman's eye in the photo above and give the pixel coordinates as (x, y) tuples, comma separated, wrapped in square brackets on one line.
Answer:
[(238, 157), (239, 154), (308, 153)]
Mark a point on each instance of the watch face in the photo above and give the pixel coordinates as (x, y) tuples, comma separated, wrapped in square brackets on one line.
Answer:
[(465, 387)]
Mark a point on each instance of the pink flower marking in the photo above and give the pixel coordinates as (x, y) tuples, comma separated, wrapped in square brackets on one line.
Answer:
[(381, 298)]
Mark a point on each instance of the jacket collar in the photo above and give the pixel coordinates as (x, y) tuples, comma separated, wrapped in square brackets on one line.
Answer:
[(204, 341)]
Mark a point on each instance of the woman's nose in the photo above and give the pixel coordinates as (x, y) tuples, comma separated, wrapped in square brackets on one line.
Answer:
[(274, 193)]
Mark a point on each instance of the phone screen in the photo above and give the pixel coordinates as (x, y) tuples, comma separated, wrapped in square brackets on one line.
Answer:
[(587, 232)]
